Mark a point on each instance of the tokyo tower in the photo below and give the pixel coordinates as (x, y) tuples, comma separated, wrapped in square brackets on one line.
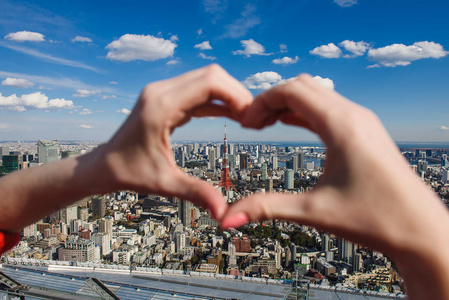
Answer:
[(225, 181)]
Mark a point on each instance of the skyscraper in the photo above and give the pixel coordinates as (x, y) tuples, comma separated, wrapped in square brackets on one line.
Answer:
[(345, 250), (98, 206), (300, 160), (11, 163), (225, 181), (243, 161), (185, 212), (275, 162), (295, 162), (288, 180), (264, 172), (212, 159), (48, 151)]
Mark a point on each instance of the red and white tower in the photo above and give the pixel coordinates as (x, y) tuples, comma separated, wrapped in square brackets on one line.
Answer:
[(225, 181)]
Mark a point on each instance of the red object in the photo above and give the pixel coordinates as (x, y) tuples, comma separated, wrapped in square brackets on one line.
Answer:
[(225, 180), (8, 240)]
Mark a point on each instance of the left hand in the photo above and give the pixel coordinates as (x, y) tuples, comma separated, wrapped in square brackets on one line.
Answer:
[(139, 156)]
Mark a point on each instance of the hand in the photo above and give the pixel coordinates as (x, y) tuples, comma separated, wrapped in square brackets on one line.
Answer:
[(367, 194), (139, 155)]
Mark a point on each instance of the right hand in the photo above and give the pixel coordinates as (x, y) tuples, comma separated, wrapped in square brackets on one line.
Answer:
[(367, 194)]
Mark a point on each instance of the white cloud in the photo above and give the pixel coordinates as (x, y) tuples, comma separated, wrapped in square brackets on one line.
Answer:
[(266, 80), (85, 126), (202, 55), (173, 62), (285, 60), (81, 39), (283, 48), (326, 82), (50, 58), (34, 101), (356, 48), (199, 32), (124, 111), (17, 82), (85, 112), (131, 47), (373, 66), (203, 46), (327, 51), (174, 38), (214, 6), (82, 93), (113, 82), (402, 55), (241, 26), (57, 82), (108, 97), (444, 128), (262, 80), (24, 36), (251, 47), (346, 3)]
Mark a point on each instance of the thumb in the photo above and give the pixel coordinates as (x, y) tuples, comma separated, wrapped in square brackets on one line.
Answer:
[(198, 192), (301, 208)]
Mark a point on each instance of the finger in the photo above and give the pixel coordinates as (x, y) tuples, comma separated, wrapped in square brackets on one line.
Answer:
[(213, 82), (213, 110), (318, 106), (308, 208), (197, 191)]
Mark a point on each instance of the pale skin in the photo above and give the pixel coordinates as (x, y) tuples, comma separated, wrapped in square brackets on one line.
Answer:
[(367, 194)]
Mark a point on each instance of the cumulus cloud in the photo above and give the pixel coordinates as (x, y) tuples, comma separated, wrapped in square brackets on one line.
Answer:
[(82, 93), (25, 36), (251, 47), (85, 111), (17, 82), (283, 48), (402, 55), (262, 80), (327, 51), (202, 55), (131, 47), (326, 82), (86, 126), (444, 128), (34, 101), (285, 61), (81, 39), (356, 48), (199, 32), (266, 80), (124, 111), (203, 46), (241, 26), (346, 3)]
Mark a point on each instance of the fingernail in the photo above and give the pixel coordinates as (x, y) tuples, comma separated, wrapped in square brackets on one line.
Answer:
[(235, 221)]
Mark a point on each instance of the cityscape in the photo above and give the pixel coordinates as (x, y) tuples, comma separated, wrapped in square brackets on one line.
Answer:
[(135, 231)]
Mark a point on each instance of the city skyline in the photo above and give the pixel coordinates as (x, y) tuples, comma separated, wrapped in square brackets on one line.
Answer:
[(73, 71)]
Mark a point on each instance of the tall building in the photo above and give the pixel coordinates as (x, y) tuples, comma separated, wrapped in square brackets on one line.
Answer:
[(243, 161), (48, 151), (98, 206), (4, 150), (295, 163), (104, 241), (289, 182), (180, 241), (357, 262), (242, 244), (212, 159), (105, 225), (275, 162), (264, 172), (182, 157), (185, 212), (325, 242), (345, 250), (11, 163), (300, 159)]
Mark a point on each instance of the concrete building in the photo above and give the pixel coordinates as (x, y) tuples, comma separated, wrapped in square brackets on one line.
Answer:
[(288, 180), (48, 151), (79, 250)]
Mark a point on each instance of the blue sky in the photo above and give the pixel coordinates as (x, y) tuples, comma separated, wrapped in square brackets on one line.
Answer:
[(72, 70)]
